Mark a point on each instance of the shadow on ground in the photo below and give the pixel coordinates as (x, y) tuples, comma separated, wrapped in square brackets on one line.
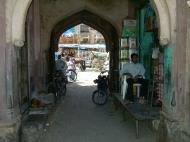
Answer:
[(77, 119)]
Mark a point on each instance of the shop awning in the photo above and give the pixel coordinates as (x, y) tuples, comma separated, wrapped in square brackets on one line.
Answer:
[(82, 46)]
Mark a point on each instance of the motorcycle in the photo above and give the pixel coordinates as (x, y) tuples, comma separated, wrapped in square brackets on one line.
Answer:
[(100, 95)]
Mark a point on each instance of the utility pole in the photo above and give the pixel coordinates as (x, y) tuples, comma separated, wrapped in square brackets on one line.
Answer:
[(78, 36)]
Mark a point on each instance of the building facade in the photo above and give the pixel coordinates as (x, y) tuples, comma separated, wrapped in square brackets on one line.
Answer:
[(82, 34)]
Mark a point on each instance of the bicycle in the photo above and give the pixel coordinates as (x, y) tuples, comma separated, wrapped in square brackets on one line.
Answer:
[(71, 75), (100, 96), (60, 84)]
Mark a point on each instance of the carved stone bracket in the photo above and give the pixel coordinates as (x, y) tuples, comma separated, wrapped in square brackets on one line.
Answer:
[(18, 22), (162, 11), (19, 43)]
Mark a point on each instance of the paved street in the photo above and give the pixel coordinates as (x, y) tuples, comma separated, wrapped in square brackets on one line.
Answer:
[(77, 119)]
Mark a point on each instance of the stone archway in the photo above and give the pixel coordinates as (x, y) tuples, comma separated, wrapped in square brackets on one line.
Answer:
[(163, 8), (88, 18), (104, 27), (165, 11)]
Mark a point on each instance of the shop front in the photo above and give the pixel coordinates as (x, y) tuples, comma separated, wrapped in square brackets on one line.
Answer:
[(140, 36)]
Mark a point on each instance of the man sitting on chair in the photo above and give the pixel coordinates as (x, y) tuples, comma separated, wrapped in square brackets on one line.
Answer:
[(135, 74)]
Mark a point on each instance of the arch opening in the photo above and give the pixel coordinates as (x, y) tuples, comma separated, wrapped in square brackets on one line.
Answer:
[(85, 46), (108, 31)]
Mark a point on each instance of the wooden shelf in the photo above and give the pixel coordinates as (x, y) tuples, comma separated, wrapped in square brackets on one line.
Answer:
[(124, 48), (126, 59)]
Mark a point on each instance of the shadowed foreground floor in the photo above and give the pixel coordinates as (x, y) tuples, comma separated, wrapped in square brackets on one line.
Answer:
[(77, 119)]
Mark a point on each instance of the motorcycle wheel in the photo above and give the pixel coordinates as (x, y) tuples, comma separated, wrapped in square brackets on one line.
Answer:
[(99, 97)]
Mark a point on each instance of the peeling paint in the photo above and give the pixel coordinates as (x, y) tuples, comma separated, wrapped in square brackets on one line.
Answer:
[(167, 76)]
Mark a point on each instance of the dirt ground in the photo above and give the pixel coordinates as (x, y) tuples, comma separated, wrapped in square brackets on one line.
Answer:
[(77, 119)]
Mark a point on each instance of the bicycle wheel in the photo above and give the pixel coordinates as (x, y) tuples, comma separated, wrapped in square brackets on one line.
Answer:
[(64, 88), (59, 88), (99, 97), (51, 87), (59, 92), (72, 75)]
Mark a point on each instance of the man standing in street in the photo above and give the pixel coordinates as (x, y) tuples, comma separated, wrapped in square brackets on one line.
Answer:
[(61, 65)]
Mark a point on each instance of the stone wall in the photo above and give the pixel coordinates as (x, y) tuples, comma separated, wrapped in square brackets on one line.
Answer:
[(174, 126)]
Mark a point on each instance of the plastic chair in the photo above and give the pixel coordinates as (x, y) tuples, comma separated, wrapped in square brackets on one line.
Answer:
[(136, 89), (124, 86)]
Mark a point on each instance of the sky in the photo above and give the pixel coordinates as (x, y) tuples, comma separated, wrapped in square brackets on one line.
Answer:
[(69, 32)]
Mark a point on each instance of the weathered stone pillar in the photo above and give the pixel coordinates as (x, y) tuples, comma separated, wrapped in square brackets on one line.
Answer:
[(9, 124), (174, 113), (33, 44), (187, 98), (186, 125), (36, 15), (38, 52), (3, 109)]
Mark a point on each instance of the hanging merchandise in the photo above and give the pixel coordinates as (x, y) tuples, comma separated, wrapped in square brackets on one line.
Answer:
[(157, 75), (155, 52), (129, 28), (128, 41), (124, 42), (149, 23), (127, 46), (132, 42), (151, 53), (124, 54)]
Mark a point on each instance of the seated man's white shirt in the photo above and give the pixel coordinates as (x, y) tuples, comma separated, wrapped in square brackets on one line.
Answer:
[(133, 69)]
